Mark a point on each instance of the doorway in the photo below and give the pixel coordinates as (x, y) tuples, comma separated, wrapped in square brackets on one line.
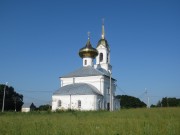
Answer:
[(108, 106)]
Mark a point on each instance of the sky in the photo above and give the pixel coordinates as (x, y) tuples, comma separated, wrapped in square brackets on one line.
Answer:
[(40, 40)]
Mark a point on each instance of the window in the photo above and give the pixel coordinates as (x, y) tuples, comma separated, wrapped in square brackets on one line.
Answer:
[(99, 104), (108, 90), (101, 57), (108, 106), (59, 103), (85, 62), (79, 103), (107, 57)]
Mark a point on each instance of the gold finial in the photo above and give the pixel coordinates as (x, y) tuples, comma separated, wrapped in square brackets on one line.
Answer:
[(103, 32)]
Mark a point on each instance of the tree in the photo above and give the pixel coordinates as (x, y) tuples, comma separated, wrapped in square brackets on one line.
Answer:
[(152, 106), (44, 107), (13, 100), (170, 102), (33, 107), (130, 102), (159, 104)]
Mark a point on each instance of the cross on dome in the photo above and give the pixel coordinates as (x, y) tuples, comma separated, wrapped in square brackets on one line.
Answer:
[(88, 34)]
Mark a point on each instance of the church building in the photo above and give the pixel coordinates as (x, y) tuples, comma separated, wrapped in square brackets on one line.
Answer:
[(92, 86)]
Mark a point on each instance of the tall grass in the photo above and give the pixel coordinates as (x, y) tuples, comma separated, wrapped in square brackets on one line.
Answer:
[(159, 121)]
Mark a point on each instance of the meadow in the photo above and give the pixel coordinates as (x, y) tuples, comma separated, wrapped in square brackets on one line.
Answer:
[(157, 121)]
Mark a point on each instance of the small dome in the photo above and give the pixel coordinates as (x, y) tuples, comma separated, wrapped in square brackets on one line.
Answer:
[(103, 42), (88, 51)]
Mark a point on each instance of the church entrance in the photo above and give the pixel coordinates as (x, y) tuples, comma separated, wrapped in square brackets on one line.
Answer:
[(108, 106)]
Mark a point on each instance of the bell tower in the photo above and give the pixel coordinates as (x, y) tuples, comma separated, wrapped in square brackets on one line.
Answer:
[(103, 58)]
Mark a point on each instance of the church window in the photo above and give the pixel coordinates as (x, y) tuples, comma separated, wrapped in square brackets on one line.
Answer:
[(79, 103), (59, 103), (101, 57), (108, 90), (85, 62), (107, 57), (99, 104), (108, 106)]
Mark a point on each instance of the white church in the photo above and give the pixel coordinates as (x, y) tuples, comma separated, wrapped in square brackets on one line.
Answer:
[(92, 86)]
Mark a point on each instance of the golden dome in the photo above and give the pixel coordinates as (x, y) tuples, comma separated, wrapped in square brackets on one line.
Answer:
[(88, 51)]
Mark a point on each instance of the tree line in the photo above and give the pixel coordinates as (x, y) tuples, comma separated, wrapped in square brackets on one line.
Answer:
[(130, 102), (133, 102), (14, 101), (168, 102)]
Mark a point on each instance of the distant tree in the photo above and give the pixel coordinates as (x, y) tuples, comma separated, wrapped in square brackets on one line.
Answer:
[(164, 102), (170, 102), (13, 100), (153, 106), (33, 107), (173, 102), (178, 102), (130, 102), (159, 104), (44, 107)]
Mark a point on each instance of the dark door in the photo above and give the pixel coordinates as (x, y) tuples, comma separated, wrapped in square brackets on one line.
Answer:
[(108, 106)]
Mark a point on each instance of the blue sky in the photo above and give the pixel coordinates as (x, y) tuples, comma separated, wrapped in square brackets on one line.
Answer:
[(40, 40)]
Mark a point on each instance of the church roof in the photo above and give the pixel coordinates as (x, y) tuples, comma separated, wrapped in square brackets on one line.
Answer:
[(77, 89), (86, 71)]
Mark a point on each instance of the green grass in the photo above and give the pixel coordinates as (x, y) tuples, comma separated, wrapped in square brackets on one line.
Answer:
[(159, 121)]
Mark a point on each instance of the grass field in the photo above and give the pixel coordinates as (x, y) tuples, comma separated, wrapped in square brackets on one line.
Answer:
[(159, 121)]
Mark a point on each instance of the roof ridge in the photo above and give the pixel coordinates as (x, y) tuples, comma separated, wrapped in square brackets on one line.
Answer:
[(84, 71), (77, 89)]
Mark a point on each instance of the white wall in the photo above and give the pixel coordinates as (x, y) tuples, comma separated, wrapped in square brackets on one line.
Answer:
[(88, 102), (25, 109), (96, 81), (106, 53), (87, 61), (102, 83)]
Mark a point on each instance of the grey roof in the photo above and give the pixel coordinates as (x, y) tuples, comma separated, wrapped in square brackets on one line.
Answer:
[(86, 71), (77, 89)]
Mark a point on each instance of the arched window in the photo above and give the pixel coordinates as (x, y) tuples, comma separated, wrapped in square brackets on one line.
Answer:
[(85, 62), (99, 104), (107, 57), (108, 90), (79, 103), (59, 103), (101, 57)]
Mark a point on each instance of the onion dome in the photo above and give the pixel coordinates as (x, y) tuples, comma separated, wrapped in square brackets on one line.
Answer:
[(103, 41), (88, 51)]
